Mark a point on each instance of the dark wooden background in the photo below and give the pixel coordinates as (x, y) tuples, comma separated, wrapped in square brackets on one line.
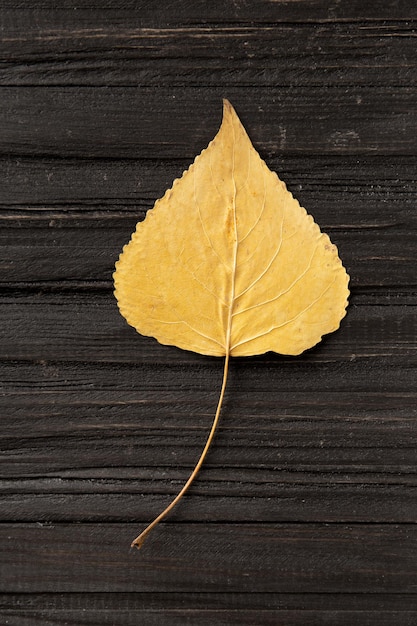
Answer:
[(305, 512)]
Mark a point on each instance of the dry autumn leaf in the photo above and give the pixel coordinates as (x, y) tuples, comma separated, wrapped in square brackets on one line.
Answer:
[(227, 263)]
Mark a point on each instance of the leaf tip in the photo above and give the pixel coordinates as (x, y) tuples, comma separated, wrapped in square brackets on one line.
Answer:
[(227, 108)]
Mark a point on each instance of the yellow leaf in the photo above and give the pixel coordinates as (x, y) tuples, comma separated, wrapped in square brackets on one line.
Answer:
[(227, 263)]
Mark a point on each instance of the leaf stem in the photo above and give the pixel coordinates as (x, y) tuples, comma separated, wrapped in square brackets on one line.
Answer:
[(138, 542)]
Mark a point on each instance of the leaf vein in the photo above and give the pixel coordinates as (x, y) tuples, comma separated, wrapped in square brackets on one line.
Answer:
[(180, 321), (212, 177), (272, 328), (274, 257), (215, 295), (202, 224), (260, 214), (282, 293)]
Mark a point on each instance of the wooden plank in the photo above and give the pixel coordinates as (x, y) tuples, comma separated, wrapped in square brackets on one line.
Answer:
[(342, 191), (216, 557), (300, 456), (116, 48), (167, 376), (309, 503), (116, 194), (58, 252), (208, 609), (216, 12), (164, 122), (88, 327), (79, 238), (68, 220), (293, 450), (362, 405)]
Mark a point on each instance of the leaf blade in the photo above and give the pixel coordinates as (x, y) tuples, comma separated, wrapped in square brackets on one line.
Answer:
[(227, 262)]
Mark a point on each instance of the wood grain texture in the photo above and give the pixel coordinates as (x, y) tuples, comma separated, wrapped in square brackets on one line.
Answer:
[(249, 558), (56, 228), (131, 53), (331, 120), (305, 512), (88, 328), (205, 609)]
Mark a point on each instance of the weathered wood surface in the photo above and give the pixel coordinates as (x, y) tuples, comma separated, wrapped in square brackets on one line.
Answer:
[(77, 213), (176, 609), (237, 557), (305, 512)]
